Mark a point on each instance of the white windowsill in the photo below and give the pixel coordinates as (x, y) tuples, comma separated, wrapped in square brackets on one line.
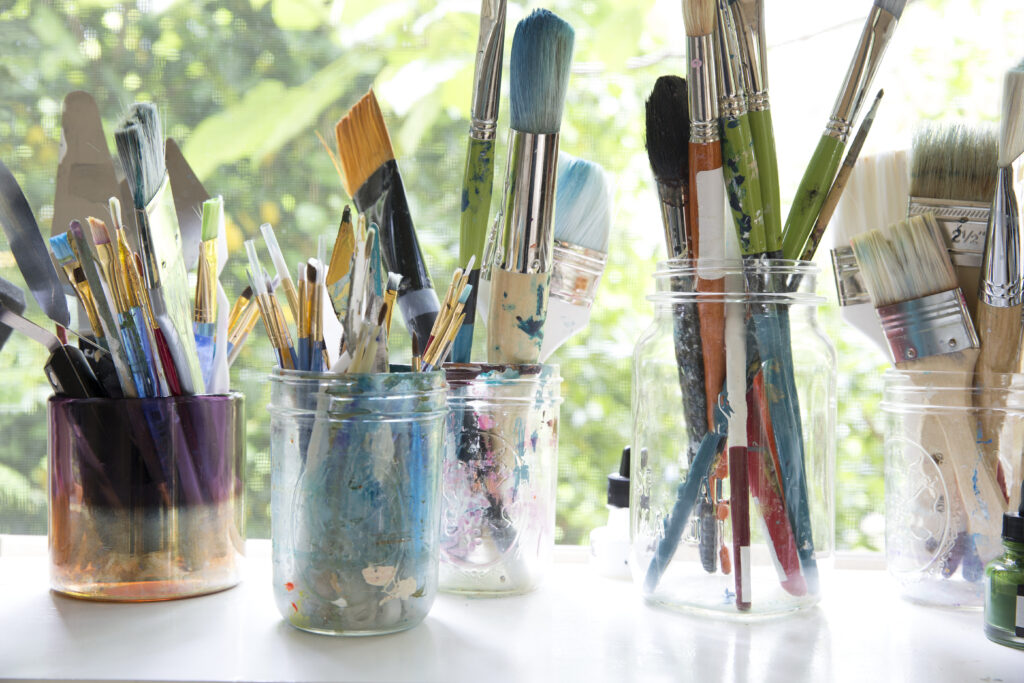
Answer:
[(577, 626)]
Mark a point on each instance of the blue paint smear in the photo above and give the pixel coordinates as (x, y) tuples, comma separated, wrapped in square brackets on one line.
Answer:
[(532, 327), (465, 200)]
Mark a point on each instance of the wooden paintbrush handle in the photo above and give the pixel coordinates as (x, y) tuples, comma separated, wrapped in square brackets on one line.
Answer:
[(518, 311), (1000, 332)]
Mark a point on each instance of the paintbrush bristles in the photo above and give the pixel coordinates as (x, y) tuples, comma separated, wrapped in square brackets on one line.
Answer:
[(699, 17), (954, 161), (363, 142), (1011, 126), (583, 215), (668, 130), (907, 260), (539, 72), (140, 147), (893, 7)]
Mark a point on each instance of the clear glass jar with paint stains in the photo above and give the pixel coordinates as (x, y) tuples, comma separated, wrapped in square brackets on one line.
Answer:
[(950, 450), (733, 439), (500, 473), (355, 498)]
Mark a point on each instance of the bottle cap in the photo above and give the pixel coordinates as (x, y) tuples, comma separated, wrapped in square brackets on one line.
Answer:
[(618, 483), (1013, 522)]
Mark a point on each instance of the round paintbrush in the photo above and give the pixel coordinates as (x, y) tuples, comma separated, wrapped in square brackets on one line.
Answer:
[(1001, 290)]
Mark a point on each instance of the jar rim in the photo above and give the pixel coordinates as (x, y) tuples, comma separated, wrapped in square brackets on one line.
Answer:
[(915, 390), (790, 272)]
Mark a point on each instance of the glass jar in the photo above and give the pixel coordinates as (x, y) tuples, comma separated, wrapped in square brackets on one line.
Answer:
[(500, 473), (733, 439), (146, 496), (945, 486), (355, 482)]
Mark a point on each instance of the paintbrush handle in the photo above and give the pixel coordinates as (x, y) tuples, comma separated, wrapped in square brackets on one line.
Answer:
[(810, 196), (517, 313), (1000, 332), (743, 184), (768, 169), (477, 184)]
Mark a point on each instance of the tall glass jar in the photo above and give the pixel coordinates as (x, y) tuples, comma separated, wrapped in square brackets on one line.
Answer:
[(355, 484), (500, 473), (147, 496), (950, 450), (733, 439)]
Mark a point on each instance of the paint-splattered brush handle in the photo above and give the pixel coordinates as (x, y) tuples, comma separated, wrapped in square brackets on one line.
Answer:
[(743, 184), (516, 316), (810, 196), (476, 209), (762, 131)]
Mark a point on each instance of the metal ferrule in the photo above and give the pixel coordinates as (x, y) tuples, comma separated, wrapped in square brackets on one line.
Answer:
[(930, 326), (206, 284), (487, 72), (702, 89), (850, 289), (964, 225), (673, 217), (748, 17), (732, 100), (878, 30), (576, 273), (529, 202), (1001, 276), (758, 101)]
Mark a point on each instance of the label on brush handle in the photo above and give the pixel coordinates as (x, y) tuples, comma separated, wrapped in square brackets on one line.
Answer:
[(710, 221), (963, 224)]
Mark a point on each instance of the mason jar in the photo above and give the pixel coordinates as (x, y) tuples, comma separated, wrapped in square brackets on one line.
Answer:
[(734, 384), (951, 449), (355, 484), (147, 496), (500, 474)]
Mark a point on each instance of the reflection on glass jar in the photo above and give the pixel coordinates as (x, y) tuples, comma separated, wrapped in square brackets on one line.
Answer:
[(500, 472), (146, 496), (733, 439), (355, 481), (950, 450)]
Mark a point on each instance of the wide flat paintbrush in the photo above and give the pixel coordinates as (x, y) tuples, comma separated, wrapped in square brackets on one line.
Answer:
[(668, 139), (913, 286), (520, 277), (478, 180), (583, 220), (821, 171), (373, 181), (707, 189), (1001, 290), (953, 177)]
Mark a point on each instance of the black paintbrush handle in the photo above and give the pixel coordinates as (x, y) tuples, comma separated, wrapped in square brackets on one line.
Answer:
[(69, 374)]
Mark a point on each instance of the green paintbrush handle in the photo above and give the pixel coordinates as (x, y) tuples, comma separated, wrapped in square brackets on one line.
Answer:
[(743, 184), (811, 195), (768, 169), (476, 199)]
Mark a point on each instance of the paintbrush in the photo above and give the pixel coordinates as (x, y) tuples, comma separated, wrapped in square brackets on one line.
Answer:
[(339, 275), (742, 180), (878, 31), (876, 195), (1001, 290), (270, 311), (373, 181), (707, 187), (953, 176), (909, 275), (204, 316), (668, 140), (478, 179), (748, 19), (67, 259), (141, 150), (583, 220), (521, 272), (281, 266)]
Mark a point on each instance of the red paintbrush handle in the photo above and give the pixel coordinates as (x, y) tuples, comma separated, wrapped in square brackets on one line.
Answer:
[(167, 361), (765, 486)]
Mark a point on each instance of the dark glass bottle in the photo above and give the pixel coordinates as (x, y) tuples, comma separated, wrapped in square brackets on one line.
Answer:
[(1004, 587)]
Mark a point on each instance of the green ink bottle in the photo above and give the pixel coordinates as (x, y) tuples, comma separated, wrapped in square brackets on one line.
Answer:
[(1004, 585)]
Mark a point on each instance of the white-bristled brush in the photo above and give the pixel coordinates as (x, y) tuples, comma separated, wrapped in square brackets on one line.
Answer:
[(583, 220)]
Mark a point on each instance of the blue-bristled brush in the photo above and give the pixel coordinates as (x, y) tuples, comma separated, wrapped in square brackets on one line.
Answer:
[(67, 259), (204, 317), (522, 257), (583, 220)]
